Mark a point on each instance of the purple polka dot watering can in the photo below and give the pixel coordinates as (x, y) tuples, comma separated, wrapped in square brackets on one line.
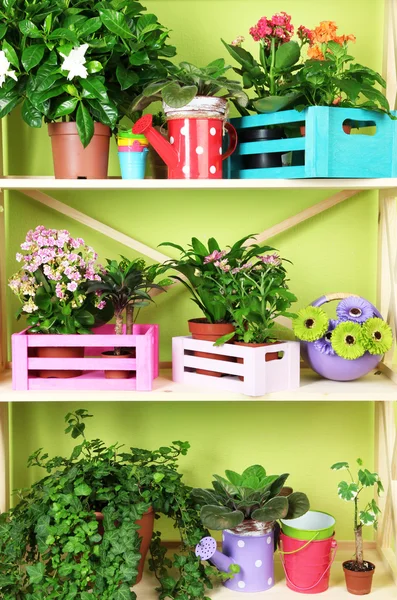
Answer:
[(251, 547)]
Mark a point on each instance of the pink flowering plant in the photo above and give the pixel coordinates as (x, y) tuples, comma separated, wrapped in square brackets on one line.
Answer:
[(49, 285), (279, 57), (212, 274)]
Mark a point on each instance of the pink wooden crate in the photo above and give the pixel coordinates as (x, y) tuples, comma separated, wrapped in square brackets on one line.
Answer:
[(145, 339), (260, 377)]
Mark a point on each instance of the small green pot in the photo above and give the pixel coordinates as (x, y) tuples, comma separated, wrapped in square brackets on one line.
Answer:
[(314, 525)]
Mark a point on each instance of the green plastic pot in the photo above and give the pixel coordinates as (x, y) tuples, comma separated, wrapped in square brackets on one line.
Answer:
[(314, 525)]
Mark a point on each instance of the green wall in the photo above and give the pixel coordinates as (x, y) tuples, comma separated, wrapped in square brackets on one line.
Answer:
[(335, 251)]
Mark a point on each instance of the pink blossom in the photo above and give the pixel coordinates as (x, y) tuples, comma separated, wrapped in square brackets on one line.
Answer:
[(247, 265), (235, 270), (271, 259), (19, 257), (72, 286), (305, 34), (26, 245), (223, 265), (59, 291), (238, 41), (101, 304), (215, 255)]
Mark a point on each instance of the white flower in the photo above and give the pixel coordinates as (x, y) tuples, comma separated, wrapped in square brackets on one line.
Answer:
[(5, 69), (74, 63)]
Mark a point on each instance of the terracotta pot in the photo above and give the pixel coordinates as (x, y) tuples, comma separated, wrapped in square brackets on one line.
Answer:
[(59, 352), (269, 357), (118, 374), (346, 128), (159, 169), (71, 159), (202, 330), (358, 583), (145, 532)]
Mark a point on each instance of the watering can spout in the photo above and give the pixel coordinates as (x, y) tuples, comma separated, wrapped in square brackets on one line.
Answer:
[(145, 127), (206, 550)]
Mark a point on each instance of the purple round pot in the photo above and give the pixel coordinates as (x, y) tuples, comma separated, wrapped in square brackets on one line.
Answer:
[(253, 552), (333, 366)]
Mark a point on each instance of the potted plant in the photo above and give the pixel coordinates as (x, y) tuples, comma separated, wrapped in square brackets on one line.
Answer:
[(279, 59), (246, 507), (196, 108), (203, 268), (126, 285), (255, 293), (347, 347), (82, 531), (51, 289), (77, 68), (359, 572)]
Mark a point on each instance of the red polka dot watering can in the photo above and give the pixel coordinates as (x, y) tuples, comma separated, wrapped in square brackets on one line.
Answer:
[(195, 134)]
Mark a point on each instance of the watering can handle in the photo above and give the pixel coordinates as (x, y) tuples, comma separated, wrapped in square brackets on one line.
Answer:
[(232, 140), (306, 589)]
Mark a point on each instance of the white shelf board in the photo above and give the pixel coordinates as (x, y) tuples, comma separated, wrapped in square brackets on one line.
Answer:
[(114, 183), (383, 588), (374, 387)]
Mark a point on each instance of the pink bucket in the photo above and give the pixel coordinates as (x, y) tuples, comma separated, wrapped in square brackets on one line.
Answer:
[(307, 565)]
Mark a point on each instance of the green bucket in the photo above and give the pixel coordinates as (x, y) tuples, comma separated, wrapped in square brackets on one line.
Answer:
[(314, 525)]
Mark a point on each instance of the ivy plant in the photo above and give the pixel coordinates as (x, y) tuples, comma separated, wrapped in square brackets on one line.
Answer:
[(351, 491), (80, 62), (250, 495), (51, 545)]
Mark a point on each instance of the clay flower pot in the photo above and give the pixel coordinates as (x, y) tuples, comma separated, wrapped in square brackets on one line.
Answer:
[(202, 330), (71, 159), (145, 532), (269, 357), (118, 374), (59, 352), (358, 583)]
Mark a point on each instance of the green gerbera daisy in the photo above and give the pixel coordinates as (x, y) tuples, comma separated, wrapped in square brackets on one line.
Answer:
[(377, 336), (347, 340), (310, 324)]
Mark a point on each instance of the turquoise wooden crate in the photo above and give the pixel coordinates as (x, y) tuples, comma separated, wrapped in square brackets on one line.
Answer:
[(326, 150)]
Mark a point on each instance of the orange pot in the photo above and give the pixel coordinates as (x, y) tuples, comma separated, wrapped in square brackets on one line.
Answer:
[(269, 357), (146, 524), (71, 159), (118, 374), (202, 330), (358, 583), (59, 352)]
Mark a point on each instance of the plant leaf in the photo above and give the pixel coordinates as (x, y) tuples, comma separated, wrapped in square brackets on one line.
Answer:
[(115, 22), (31, 115), (275, 508), (220, 517), (85, 124), (287, 55), (340, 466), (32, 56), (274, 103), (176, 96), (298, 505)]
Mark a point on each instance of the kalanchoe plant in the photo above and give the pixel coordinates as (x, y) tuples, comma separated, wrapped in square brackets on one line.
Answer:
[(51, 545), (51, 284), (186, 81), (203, 267), (78, 61), (330, 77), (251, 495), (126, 285), (351, 491), (279, 57)]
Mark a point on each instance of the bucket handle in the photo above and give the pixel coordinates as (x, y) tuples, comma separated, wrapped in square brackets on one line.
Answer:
[(302, 547), (306, 589)]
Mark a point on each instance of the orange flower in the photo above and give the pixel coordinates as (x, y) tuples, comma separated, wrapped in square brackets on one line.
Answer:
[(325, 32), (315, 53)]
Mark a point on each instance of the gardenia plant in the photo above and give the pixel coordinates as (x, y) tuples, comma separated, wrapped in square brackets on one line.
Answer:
[(49, 285), (81, 62), (279, 56), (50, 542), (351, 491), (356, 331), (251, 495), (204, 270)]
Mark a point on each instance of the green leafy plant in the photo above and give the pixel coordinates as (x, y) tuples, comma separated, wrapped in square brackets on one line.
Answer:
[(186, 81), (80, 62), (202, 269), (279, 57), (51, 545), (126, 285), (251, 495), (351, 491), (51, 284)]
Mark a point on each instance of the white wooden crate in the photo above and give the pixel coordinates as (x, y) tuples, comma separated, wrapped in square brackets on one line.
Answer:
[(260, 377)]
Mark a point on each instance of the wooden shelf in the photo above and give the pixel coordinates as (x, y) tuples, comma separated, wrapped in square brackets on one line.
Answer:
[(384, 587), (113, 183), (374, 387)]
